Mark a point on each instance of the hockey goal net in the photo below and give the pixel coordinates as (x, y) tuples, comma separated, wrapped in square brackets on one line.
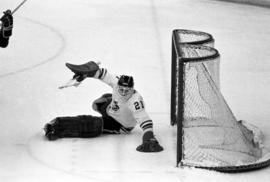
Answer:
[(208, 134)]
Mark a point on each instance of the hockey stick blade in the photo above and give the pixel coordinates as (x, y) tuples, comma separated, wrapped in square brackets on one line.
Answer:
[(70, 83)]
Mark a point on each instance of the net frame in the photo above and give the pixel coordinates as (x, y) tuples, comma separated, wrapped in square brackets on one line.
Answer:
[(177, 99), (189, 37)]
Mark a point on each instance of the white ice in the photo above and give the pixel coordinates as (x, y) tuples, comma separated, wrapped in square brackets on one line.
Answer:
[(128, 37)]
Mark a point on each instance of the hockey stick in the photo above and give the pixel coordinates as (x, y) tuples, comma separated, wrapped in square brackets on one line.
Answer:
[(18, 6), (73, 81), (15, 10), (70, 83)]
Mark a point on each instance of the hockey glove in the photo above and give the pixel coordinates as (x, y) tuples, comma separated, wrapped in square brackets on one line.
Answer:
[(88, 69), (79, 77), (7, 24), (150, 143)]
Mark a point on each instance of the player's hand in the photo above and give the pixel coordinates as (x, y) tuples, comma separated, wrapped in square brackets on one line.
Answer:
[(79, 77), (149, 144)]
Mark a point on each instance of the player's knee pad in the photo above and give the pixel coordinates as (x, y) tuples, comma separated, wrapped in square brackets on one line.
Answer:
[(101, 103)]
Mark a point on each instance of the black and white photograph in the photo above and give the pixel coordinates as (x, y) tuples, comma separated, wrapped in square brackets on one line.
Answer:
[(134, 90)]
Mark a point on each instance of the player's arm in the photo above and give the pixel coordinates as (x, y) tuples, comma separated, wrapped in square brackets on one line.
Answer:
[(106, 77), (149, 142), (6, 26)]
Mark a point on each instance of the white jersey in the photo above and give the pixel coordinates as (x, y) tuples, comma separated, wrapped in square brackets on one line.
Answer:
[(127, 111)]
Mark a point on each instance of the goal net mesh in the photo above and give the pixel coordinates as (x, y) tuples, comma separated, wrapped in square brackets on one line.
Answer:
[(211, 136)]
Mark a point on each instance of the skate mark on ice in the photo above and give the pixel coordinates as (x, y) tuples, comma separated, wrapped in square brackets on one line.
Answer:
[(39, 141), (70, 156)]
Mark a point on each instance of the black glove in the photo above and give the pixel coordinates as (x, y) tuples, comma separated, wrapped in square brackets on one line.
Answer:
[(150, 143), (79, 77), (7, 24)]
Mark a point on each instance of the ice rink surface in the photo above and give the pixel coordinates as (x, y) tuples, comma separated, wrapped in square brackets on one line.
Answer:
[(128, 37)]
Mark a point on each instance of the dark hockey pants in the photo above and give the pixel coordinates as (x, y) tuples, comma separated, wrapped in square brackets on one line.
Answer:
[(3, 41)]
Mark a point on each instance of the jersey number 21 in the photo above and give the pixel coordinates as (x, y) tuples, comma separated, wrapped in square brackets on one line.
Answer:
[(139, 105)]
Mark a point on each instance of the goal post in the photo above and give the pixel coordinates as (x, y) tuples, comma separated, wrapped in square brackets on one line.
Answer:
[(208, 134), (188, 37)]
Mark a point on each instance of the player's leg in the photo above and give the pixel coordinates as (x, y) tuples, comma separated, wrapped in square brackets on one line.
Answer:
[(85, 126), (102, 103), (6, 26), (79, 126), (3, 41), (111, 126)]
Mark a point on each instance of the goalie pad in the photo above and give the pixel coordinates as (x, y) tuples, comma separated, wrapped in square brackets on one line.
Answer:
[(85, 126), (89, 69), (3, 41)]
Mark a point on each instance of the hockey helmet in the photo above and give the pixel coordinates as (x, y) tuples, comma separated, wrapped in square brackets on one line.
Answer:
[(126, 81), (125, 85)]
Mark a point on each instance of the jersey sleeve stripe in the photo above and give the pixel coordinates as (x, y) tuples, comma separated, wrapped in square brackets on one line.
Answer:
[(146, 124), (103, 73)]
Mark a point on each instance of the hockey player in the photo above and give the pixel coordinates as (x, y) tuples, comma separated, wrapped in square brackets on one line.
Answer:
[(6, 26), (120, 111)]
